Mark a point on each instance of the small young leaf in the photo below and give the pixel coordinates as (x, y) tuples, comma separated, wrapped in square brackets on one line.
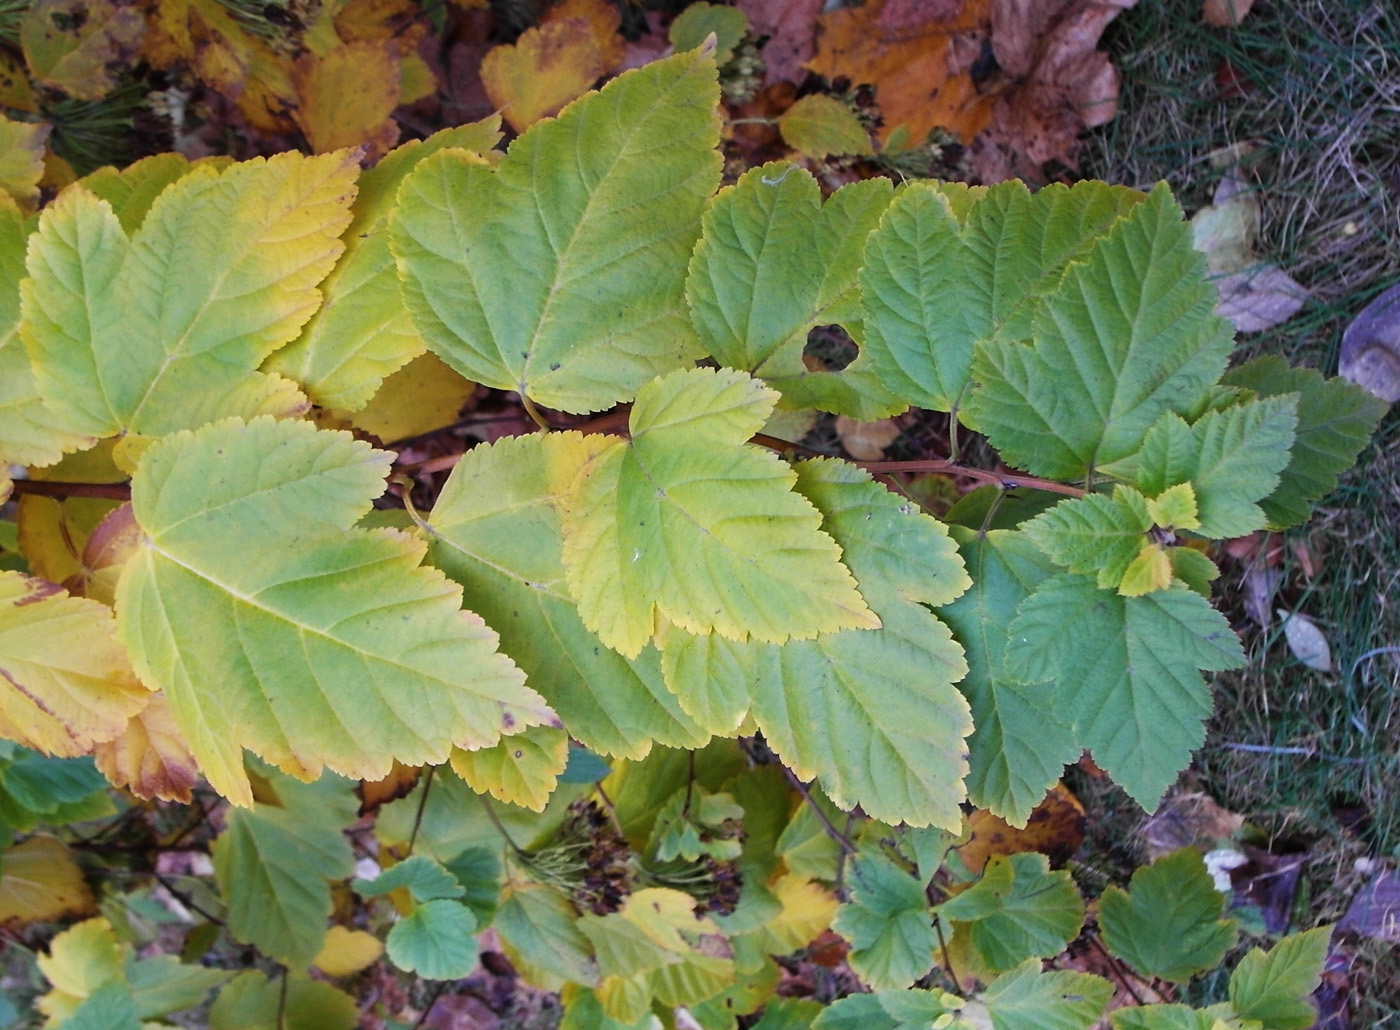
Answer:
[(774, 262), (689, 523), (1168, 923), (81, 960), (1335, 420), (1018, 909), (887, 922), (436, 941), (695, 823), (560, 273), (700, 19), (299, 671), (252, 1002), (819, 126), (1128, 334), (522, 769), (1095, 534), (496, 530), (1273, 987), (1019, 744), (1126, 672), (425, 879)]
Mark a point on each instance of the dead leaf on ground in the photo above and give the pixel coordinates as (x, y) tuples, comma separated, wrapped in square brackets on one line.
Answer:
[(1055, 829), (1375, 911), (1306, 640), (347, 97), (1225, 13), (604, 21), (790, 26), (542, 71), (1261, 585), (1188, 819), (866, 441), (1269, 882), (1370, 355), (80, 46)]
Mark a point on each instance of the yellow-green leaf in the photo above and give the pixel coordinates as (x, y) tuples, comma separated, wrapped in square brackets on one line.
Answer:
[(560, 273), (80, 961), (253, 1002), (272, 624), (345, 952), (65, 683), (819, 126), (423, 396), (79, 46), (1174, 508), (165, 329), (22, 147), (688, 523), (42, 883), (149, 757), (520, 770)]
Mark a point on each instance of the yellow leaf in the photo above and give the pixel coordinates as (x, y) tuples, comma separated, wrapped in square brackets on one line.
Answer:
[(80, 960), (416, 79), (347, 97), (807, 911), (544, 70), (150, 758), (603, 19), (1150, 570), (422, 396), (105, 554), (53, 531), (520, 770), (16, 92), (819, 126), (1174, 508), (66, 683), (22, 147), (346, 951), (42, 883), (78, 46)]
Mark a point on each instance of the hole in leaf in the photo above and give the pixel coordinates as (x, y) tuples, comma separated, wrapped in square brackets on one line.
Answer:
[(829, 349)]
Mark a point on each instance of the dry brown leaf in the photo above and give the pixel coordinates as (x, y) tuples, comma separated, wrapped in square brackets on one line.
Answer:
[(921, 74), (112, 542), (150, 757), (398, 784), (604, 20), (866, 441), (79, 46), (1306, 640), (1055, 829), (42, 883), (1225, 13), (1375, 911), (542, 71), (790, 26), (1370, 355), (1188, 819), (399, 22), (347, 97)]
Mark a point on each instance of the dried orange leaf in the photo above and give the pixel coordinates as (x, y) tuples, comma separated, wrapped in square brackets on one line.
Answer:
[(603, 19), (1055, 828), (150, 758), (545, 69), (42, 883), (347, 96)]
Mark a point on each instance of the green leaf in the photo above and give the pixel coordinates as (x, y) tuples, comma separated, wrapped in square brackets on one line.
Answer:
[(700, 19), (30, 434), (890, 1010), (540, 932), (165, 329), (1335, 420), (271, 623), (436, 941), (656, 947), (887, 922), (1168, 923), (951, 267), (110, 1007), (774, 262), (1163, 1017), (1018, 909), (252, 1002), (584, 1011), (132, 190), (478, 870), (163, 984), (425, 879), (496, 530), (1273, 987), (874, 715), (42, 784), (1027, 999), (818, 126), (1094, 534), (1020, 744), (688, 523), (1231, 458), (1126, 672), (790, 1014), (695, 823), (1128, 334), (560, 272), (81, 961), (363, 332), (272, 864)]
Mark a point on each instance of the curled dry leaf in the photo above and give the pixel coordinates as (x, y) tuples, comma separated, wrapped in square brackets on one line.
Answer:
[(1307, 642), (1188, 819), (1370, 355), (1225, 13), (866, 441)]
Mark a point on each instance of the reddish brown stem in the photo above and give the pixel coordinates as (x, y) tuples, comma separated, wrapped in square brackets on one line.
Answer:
[(51, 488)]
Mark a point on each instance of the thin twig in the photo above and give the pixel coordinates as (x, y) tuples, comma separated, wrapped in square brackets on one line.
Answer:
[(437, 993), (1117, 968), (500, 826), (842, 841), (422, 804), (943, 947), (50, 488)]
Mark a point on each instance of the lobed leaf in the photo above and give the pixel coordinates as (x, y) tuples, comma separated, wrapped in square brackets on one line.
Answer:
[(1128, 333), (1019, 909), (887, 922), (496, 530), (1274, 986), (689, 524), (560, 273), (891, 1010), (520, 770), (271, 623), (424, 877), (1095, 534), (774, 262), (1028, 999), (540, 933), (1126, 672)]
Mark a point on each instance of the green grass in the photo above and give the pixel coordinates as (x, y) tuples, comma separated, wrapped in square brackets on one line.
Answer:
[(1311, 759)]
